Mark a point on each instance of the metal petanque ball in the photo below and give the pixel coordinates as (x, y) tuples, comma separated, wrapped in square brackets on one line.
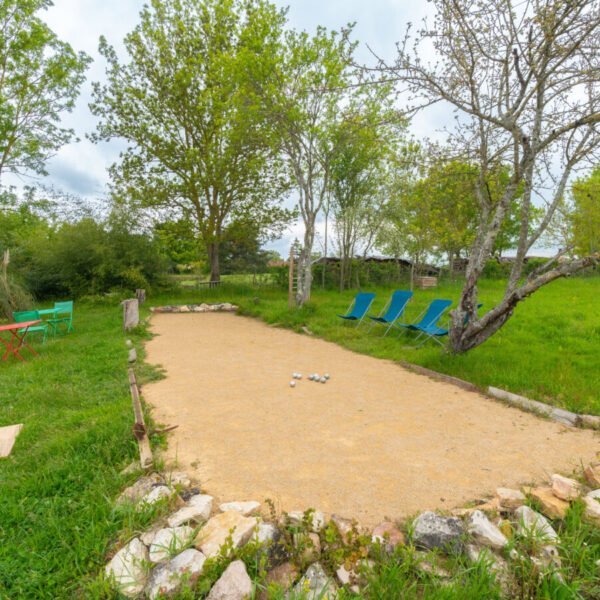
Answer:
[(323, 380), (326, 375), (292, 383), (298, 375)]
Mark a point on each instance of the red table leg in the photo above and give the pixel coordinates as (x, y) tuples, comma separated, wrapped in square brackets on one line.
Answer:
[(21, 343)]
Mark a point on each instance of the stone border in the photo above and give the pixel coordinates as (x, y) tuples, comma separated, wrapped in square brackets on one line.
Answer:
[(196, 308), (560, 415)]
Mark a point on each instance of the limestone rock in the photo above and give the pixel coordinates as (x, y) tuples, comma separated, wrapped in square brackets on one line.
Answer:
[(244, 508), (592, 475), (166, 579), (344, 526), (213, 535), (388, 535), (434, 531), (485, 532), (140, 488), (281, 577), (315, 584), (269, 538), (565, 488), (197, 509), (315, 518), (592, 508), (149, 535), (169, 541), (549, 557), (234, 584), (551, 506), (595, 494), (530, 521), (510, 499), (310, 545), (155, 495), (179, 478), (127, 569), (132, 356)]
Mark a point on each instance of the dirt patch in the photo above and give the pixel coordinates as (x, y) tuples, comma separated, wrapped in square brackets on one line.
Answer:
[(375, 441)]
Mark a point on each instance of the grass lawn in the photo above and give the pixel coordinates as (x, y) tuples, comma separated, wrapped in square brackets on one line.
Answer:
[(549, 350), (58, 485)]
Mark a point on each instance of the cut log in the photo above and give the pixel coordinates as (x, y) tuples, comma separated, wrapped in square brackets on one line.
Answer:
[(139, 427)]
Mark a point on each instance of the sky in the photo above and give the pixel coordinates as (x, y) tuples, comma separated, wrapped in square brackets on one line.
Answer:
[(80, 168)]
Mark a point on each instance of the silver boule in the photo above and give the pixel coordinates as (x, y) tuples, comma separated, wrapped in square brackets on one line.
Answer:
[(323, 380), (292, 383), (326, 375)]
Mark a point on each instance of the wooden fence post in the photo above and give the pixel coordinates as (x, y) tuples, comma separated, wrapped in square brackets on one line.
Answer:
[(140, 295), (131, 314)]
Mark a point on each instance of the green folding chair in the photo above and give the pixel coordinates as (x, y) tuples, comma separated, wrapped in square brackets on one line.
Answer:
[(63, 315), (25, 316)]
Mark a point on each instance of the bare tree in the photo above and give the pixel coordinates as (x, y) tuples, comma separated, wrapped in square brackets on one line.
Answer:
[(524, 80)]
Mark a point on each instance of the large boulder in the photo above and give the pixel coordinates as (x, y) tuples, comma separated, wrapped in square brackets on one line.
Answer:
[(431, 531), (484, 532), (234, 584), (214, 534), (127, 570), (167, 578)]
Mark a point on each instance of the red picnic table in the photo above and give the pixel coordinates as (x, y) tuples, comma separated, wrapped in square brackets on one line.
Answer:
[(16, 341)]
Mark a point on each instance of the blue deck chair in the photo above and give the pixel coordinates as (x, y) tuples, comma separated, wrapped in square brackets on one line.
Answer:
[(427, 321), (393, 310), (358, 307), (434, 332)]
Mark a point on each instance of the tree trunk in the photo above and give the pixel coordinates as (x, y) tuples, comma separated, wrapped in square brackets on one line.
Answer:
[(213, 257)]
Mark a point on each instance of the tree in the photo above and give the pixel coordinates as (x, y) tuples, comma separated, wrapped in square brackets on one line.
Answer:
[(40, 77), (521, 77), (366, 141), (304, 100), (200, 148), (584, 214)]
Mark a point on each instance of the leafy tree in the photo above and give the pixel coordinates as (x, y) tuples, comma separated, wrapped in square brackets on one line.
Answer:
[(304, 98), (519, 76), (584, 216), (199, 145), (40, 77), (242, 252)]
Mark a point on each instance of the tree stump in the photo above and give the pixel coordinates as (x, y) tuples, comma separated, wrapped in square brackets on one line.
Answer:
[(131, 314)]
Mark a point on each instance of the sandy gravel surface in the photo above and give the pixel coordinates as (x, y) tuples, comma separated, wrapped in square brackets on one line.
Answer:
[(376, 441)]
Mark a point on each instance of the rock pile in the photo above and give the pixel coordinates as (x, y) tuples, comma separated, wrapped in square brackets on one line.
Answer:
[(195, 308)]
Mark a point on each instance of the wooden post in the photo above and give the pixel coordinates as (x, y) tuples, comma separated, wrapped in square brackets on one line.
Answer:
[(291, 298), (139, 427), (131, 314), (140, 295)]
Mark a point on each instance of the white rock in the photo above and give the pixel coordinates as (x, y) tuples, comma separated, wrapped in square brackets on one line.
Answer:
[(197, 509), (179, 478), (139, 489), (595, 495), (316, 585), (245, 508), (166, 578), (510, 499), (149, 535), (592, 508), (234, 584), (220, 528), (530, 521), (132, 356), (127, 569), (317, 519), (565, 488), (485, 532), (155, 495), (169, 541)]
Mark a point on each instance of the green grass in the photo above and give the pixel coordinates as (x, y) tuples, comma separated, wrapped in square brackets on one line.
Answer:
[(549, 350), (58, 485)]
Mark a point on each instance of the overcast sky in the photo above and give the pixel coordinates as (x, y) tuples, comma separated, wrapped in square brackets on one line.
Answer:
[(81, 168)]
